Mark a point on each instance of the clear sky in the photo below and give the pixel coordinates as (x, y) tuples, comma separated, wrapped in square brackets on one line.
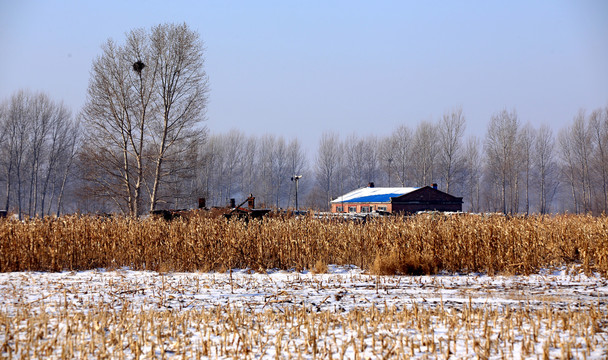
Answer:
[(299, 68)]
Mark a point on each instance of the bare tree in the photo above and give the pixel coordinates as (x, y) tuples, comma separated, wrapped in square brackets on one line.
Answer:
[(398, 154), (18, 125), (144, 98), (280, 171), (569, 167), (327, 165), (6, 151), (526, 138), (249, 162), (425, 153), (354, 152), (500, 152), (371, 160), (232, 148), (582, 148), (544, 163), (60, 142), (598, 125), (296, 163), (181, 92), (451, 130), (116, 124), (473, 168)]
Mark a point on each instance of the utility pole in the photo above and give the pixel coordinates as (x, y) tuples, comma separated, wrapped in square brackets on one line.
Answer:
[(296, 178), (390, 160)]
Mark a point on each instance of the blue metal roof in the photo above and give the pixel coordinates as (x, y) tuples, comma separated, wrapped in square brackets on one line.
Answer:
[(373, 195), (381, 198)]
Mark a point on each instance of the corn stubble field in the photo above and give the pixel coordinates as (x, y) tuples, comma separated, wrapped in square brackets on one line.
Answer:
[(428, 286)]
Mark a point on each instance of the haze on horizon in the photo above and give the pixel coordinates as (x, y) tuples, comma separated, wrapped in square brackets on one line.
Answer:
[(300, 69)]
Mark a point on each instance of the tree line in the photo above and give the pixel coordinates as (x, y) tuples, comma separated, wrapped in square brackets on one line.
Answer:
[(139, 144)]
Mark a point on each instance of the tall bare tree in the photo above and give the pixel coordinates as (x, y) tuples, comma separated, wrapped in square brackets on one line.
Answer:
[(398, 156), (569, 166), (501, 152), (526, 139), (544, 163), (354, 152), (473, 169), (35, 135), (327, 166), (598, 124), (583, 148), (181, 92), (451, 129), (297, 166), (146, 98), (60, 142), (18, 126), (424, 159)]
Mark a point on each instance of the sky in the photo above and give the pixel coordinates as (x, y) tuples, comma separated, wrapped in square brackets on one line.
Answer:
[(301, 68)]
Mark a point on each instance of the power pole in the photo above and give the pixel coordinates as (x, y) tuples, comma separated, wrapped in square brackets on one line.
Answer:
[(296, 178)]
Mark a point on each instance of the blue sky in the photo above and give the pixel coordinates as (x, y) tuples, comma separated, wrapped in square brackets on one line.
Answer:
[(299, 68)]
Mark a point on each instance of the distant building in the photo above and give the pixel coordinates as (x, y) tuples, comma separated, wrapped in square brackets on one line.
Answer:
[(405, 200)]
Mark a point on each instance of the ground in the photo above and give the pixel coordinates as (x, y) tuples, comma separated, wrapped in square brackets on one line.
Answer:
[(344, 313)]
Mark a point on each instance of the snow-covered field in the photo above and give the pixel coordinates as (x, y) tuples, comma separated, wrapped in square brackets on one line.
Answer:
[(342, 314)]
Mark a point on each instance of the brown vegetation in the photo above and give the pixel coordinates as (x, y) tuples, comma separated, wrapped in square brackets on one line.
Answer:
[(302, 333), (422, 244)]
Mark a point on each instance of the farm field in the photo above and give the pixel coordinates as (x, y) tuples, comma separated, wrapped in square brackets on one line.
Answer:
[(422, 287), (343, 313)]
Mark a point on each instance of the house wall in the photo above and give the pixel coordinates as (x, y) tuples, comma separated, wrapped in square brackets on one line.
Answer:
[(358, 206), (413, 208), (427, 199)]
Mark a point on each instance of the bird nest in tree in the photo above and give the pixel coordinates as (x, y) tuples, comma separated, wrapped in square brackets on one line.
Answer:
[(138, 66)]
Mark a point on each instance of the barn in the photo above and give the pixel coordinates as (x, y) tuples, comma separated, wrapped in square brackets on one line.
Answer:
[(406, 200)]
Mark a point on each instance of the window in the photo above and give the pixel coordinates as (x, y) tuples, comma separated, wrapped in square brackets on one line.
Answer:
[(339, 209), (352, 209), (382, 208), (364, 209)]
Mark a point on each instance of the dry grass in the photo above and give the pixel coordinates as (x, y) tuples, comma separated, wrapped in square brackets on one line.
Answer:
[(224, 332), (416, 245)]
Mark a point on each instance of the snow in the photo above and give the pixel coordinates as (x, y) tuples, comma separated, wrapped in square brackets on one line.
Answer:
[(373, 194), (343, 290)]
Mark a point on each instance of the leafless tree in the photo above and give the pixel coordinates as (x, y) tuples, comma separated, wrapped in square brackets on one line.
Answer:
[(18, 127), (116, 123), (35, 134), (249, 161), (473, 168), (526, 139), (6, 150), (60, 144), (354, 153), (398, 156), (451, 129), (297, 166), (181, 92), (569, 167), (544, 163), (582, 148), (424, 153), (144, 98), (264, 186), (500, 152), (327, 165), (598, 126), (232, 149), (371, 159), (280, 172)]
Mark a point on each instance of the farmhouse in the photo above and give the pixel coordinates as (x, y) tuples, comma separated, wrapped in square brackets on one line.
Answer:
[(405, 200)]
